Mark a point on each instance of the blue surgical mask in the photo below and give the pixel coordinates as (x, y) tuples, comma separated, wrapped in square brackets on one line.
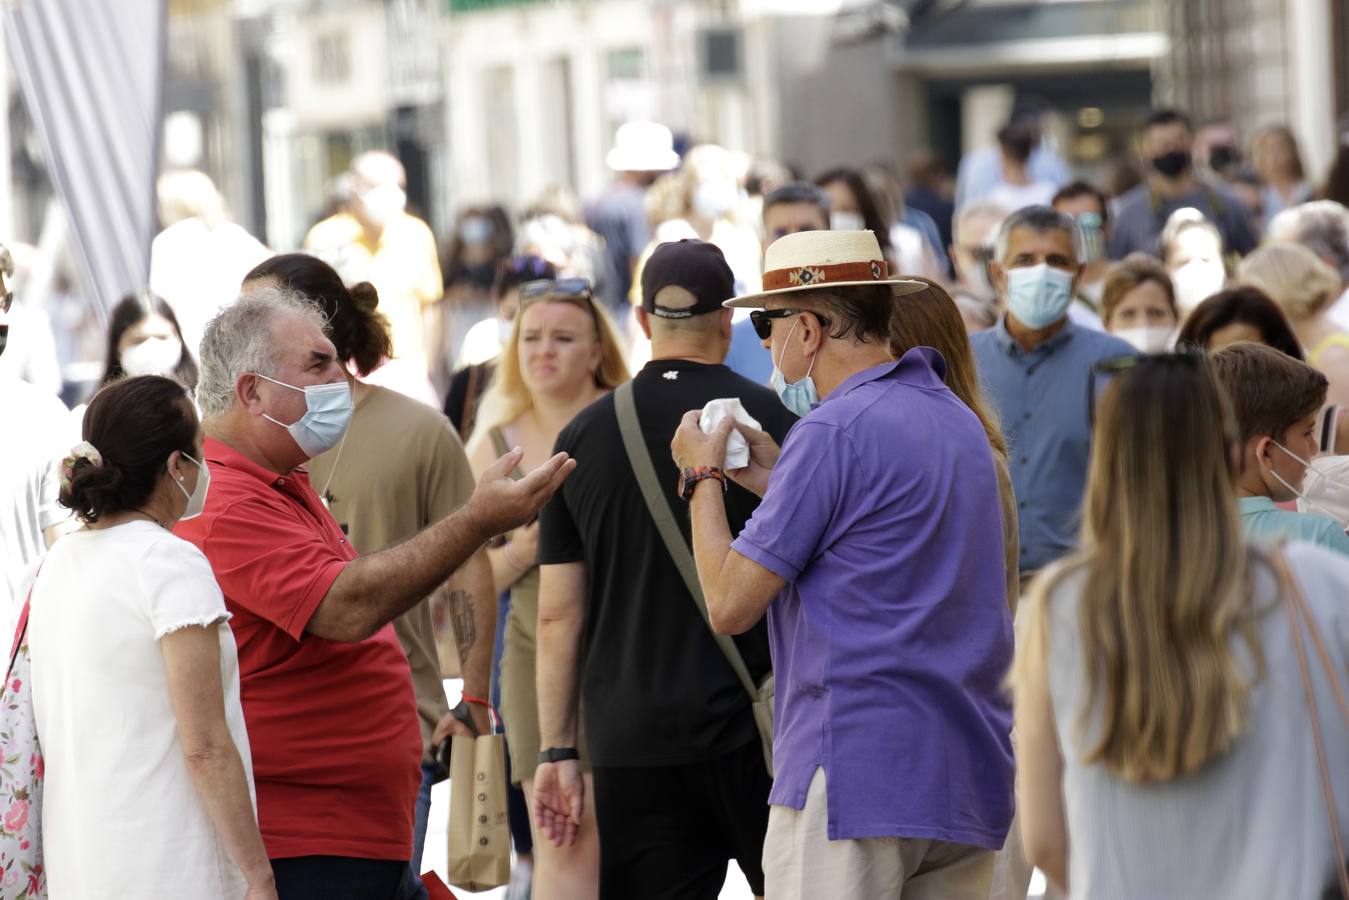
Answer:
[(801, 396), (325, 420), (1039, 295)]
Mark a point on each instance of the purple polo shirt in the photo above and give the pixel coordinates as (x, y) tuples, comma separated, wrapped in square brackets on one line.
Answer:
[(892, 636)]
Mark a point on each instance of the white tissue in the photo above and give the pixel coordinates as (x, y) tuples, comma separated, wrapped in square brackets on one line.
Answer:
[(737, 449)]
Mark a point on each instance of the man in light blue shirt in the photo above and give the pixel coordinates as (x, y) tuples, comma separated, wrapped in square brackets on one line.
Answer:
[(980, 171), (1034, 365), (1276, 400)]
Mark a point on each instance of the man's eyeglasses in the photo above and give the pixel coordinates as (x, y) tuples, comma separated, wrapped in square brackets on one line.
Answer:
[(526, 265), (1102, 372)]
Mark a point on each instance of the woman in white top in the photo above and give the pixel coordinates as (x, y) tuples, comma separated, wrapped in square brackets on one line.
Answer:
[(148, 789), (1164, 747)]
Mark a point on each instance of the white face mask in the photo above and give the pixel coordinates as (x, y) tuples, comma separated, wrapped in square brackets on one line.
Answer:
[(153, 356), (714, 199), (196, 501), (846, 221), (327, 414), (1306, 465), (1149, 338), (382, 204), (1325, 489), (1195, 282)]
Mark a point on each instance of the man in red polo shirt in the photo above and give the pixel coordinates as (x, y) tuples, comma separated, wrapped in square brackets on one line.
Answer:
[(326, 689)]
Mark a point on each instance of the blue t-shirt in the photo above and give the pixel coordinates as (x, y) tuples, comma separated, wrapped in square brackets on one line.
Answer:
[(1262, 521), (892, 636)]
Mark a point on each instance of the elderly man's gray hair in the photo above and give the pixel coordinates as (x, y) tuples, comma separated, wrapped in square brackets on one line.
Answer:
[(240, 340), (1321, 226), (1039, 219)]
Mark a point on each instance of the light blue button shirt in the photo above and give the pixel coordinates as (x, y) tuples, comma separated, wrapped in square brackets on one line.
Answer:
[(980, 171), (1262, 521), (1041, 397)]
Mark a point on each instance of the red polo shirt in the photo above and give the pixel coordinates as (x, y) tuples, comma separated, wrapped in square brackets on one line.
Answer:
[(333, 726)]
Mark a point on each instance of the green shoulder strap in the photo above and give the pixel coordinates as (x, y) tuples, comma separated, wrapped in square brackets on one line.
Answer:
[(659, 507)]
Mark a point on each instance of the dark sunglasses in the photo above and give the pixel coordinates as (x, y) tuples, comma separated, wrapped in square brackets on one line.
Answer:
[(526, 265), (1102, 372), (762, 320), (569, 288)]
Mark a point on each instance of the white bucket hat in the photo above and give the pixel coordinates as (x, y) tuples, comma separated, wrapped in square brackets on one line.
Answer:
[(643, 147), (817, 259)]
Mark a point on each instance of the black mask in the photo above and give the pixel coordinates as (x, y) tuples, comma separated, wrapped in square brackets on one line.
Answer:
[(1173, 163), (1223, 156)]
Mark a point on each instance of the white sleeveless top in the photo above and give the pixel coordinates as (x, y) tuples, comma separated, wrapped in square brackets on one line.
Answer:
[(1252, 823)]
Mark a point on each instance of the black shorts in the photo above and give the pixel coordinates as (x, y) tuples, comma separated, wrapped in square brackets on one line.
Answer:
[(669, 831)]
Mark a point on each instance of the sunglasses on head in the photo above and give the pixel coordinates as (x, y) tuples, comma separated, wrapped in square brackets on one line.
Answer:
[(1102, 372), (762, 320), (526, 265), (570, 288)]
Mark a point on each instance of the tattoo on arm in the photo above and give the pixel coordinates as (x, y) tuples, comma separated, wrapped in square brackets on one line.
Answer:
[(461, 620)]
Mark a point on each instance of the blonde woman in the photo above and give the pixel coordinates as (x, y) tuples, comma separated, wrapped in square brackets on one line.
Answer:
[(1159, 658), (1305, 287), (562, 355)]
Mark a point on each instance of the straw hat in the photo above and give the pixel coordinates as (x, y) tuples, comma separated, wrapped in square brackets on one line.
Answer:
[(642, 147), (816, 259)]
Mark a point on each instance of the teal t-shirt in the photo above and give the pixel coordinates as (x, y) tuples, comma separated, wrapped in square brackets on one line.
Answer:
[(1262, 521)]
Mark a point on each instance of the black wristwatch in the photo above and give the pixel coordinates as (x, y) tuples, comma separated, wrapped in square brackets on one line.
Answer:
[(558, 754)]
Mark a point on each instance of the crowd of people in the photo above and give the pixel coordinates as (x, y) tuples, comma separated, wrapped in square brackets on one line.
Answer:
[(883, 533)]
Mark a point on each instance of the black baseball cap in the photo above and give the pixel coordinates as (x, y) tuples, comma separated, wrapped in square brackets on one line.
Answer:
[(696, 266)]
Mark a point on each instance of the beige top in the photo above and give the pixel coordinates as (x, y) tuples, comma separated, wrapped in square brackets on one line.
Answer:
[(401, 468)]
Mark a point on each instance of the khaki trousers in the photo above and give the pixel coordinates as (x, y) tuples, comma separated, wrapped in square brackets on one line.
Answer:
[(801, 863)]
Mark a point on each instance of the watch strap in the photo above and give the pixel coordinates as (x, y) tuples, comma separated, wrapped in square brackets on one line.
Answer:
[(689, 478), (558, 754)]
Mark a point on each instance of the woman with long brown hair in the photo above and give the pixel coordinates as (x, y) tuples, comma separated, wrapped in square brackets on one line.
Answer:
[(931, 318), (1162, 730)]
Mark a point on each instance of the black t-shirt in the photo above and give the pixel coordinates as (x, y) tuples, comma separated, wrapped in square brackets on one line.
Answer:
[(655, 688)]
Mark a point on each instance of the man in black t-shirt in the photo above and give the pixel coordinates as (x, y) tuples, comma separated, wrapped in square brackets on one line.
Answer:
[(680, 782)]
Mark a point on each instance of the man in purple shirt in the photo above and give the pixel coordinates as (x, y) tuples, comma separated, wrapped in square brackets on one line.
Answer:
[(877, 552)]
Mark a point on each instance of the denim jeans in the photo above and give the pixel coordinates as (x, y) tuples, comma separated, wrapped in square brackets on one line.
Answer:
[(423, 813)]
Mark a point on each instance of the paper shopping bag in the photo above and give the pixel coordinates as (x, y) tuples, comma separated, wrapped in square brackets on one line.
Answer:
[(480, 836)]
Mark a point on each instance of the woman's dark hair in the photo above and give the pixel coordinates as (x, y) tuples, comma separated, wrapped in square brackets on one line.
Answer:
[(134, 308), (357, 330), (457, 269), (514, 271), (866, 203), (1240, 305), (134, 424), (1336, 186)]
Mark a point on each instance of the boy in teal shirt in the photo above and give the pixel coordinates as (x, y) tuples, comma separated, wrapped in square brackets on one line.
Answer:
[(1276, 399)]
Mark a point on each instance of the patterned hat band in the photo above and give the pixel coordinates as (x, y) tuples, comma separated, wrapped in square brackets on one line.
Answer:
[(809, 276)]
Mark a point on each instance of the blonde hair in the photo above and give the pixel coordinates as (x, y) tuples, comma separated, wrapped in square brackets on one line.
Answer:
[(1293, 277), (508, 398), (1166, 579)]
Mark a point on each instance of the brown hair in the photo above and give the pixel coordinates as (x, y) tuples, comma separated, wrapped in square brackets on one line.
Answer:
[(930, 318), (1270, 391), (1134, 270), (135, 425), (358, 332), (1162, 583)]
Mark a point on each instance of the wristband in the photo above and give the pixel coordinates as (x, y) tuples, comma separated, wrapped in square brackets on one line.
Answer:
[(689, 478), (558, 754)]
